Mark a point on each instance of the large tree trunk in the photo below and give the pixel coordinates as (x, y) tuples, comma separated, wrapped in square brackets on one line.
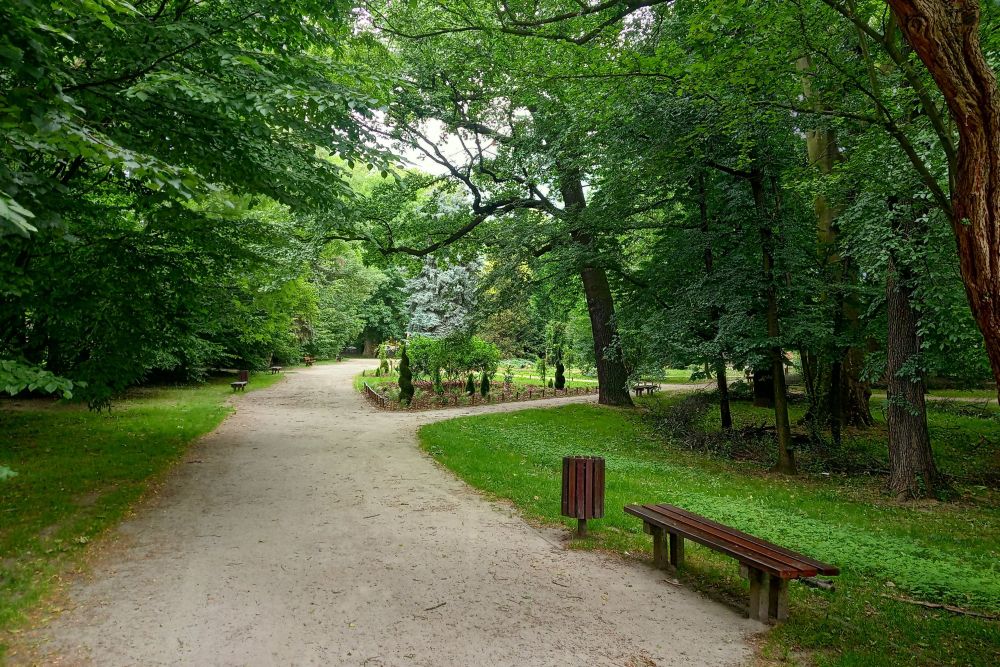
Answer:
[(912, 473), (846, 396), (612, 376), (371, 347), (945, 35)]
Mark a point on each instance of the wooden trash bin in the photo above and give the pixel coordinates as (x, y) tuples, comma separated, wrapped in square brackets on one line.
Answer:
[(583, 490)]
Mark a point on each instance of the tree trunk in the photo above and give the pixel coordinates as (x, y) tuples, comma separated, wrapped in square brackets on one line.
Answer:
[(912, 473), (846, 396), (612, 376), (371, 348), (945, 35), (782, 427)]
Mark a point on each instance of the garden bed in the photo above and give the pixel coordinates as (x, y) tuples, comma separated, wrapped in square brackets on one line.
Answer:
[(385, 396)]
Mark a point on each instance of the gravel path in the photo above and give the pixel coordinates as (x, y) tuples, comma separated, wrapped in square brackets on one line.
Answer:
[(310, 530)]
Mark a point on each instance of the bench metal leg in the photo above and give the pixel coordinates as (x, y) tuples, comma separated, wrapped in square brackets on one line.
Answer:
[(676, 550), (777, 599), (659, 552)]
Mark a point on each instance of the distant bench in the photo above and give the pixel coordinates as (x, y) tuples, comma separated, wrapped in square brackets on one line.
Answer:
[(242, 381), (309, 361), (647, 387), (768, 566), (275, 369)]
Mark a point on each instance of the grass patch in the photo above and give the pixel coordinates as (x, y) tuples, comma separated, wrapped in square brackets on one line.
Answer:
[(932, 551), (79, 472)]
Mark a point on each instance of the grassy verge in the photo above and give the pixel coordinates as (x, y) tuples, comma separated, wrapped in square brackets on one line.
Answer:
[(79, 472), (930, 551)]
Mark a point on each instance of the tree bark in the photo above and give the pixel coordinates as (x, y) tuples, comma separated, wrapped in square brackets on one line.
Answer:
[(912, 473), (945, 35), (612, 376), (371, 348)]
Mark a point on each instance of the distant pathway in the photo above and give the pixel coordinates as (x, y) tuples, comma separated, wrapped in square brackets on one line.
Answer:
[(310, 530)]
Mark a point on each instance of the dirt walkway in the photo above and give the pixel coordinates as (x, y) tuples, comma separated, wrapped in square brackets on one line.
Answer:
[(310, 530)]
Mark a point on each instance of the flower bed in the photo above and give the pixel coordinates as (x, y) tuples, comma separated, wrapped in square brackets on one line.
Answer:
[(386, 397)]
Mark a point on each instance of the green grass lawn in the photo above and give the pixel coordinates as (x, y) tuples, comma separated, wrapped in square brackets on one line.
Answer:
[(989, 394), (79, 472), (932, 551)]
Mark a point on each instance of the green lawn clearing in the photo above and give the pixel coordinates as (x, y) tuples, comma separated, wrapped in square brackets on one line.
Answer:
[(78, 473), (936, 552)]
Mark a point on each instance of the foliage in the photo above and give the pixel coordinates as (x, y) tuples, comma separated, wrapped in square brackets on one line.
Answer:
[(455, 356), (384, 313), (484, 385), (441, 299), (470, 384), (16, 377)]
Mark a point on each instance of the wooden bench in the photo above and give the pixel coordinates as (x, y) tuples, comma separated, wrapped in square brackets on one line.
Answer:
[(275, 369), (309, 361), (768, 566), (648, 387), (242, 381)]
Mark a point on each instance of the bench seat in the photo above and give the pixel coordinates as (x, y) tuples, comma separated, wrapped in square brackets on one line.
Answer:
[(767, 565), (238, 386)]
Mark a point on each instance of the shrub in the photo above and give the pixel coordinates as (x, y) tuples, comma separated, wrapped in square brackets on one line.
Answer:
[(560, 375), (405, 379), (455, 356), (470, 385), (484, 386)]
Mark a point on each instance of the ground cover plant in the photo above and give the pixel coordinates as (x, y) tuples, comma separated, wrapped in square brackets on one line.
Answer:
[(940, 552), (77, 473)]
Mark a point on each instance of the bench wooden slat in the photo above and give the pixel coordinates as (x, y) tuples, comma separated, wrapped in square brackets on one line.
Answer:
[(741, 553), (821, 567), (755, 545)]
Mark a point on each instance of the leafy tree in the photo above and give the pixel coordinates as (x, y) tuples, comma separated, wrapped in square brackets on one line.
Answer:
[(441, 299), (384, 313)]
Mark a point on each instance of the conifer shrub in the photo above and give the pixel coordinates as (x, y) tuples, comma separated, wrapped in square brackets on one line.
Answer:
[(484, 386), (470, 385), (405, 379), (560, 375)]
